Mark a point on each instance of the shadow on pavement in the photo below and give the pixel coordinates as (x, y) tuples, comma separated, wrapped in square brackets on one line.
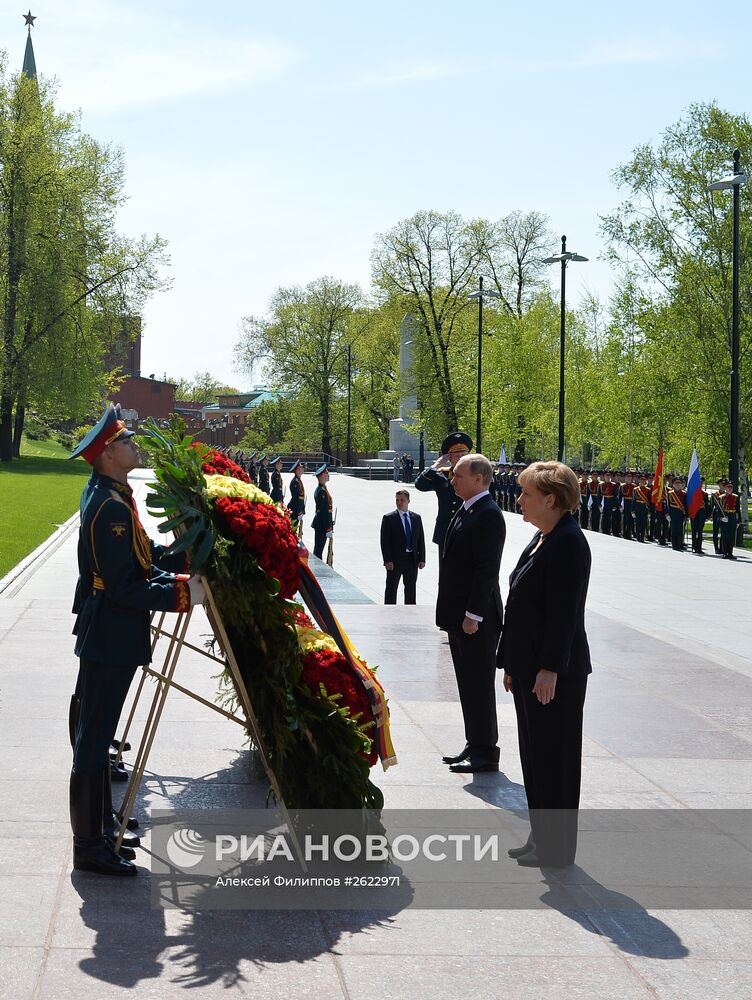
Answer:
[(136, 941)]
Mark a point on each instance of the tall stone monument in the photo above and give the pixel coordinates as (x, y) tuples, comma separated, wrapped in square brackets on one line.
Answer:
[(402, 435)]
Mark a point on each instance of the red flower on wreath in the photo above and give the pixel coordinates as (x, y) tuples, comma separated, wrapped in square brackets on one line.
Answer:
[(268, 534), (301, 618), (217, 464), (323, 666)]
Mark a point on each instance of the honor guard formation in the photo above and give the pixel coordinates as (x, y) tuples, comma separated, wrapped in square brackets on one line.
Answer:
[(633, 506)]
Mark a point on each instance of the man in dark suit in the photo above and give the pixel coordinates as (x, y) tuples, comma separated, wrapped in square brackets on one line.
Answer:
[(403, 547), (470, 610)]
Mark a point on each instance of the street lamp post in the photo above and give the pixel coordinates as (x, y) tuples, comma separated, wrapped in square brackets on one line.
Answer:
[(563, 258), (736, 181), (488, 293), (349, 411)]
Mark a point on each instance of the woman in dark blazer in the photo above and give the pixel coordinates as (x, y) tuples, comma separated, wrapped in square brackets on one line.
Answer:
[(546, 660)]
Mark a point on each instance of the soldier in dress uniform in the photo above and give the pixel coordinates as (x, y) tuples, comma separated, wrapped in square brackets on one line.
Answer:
[(677, 509), (251, 468), (263, 474), (594, 501), (323, 520), (518, 468), (627, 492), (608, 496), (494, 488), (297, 495), (438, 479), (616, 518), (658, 523), (584, 494), (698, 521), (729, 519), (717, 508), (278, 487), (508, 485), (123, 576), (641, 507)]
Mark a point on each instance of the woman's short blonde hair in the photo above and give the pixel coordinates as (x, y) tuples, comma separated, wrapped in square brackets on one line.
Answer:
[(555, 478)]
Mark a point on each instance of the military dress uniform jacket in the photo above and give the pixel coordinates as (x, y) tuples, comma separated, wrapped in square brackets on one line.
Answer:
[(263, 479), (123, 576), (431, 480), (278, 487), (297, 497), (322, 519)]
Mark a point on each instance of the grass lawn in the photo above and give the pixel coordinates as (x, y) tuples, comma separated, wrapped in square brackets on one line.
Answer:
[(37, 492)]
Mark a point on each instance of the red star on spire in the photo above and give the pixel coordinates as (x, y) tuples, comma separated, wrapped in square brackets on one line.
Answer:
[(29, 19)]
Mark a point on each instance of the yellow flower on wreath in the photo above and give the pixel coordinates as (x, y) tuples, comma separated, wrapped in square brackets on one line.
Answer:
[(225, 486), (312, 639)]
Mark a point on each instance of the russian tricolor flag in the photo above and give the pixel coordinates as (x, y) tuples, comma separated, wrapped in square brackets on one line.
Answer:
[(694, 486)]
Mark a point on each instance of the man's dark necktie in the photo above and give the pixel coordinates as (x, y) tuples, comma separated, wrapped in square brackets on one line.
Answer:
[(408, 531)]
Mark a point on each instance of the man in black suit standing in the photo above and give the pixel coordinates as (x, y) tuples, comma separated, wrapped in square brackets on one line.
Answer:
[(403, 547), (470, 610)]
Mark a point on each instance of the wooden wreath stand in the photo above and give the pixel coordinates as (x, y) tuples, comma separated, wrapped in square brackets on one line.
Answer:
[(165, 678)]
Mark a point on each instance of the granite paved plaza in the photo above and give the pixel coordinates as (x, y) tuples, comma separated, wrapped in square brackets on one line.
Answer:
[(668, 725)]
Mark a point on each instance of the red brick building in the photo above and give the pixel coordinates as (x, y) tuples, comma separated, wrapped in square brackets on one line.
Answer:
[(145, 397)]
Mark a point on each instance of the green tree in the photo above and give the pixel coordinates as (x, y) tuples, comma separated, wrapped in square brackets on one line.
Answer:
[(430, 263), (676, 236), (66, 277), (301, 346), (202, 388)]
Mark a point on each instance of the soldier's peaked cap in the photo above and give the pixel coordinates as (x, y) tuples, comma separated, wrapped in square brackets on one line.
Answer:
[(296, 465), (454, 439), (110, 427), (321, 468)]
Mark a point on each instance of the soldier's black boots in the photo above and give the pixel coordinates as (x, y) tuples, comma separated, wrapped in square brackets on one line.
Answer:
[(110, 823), (91, 851)]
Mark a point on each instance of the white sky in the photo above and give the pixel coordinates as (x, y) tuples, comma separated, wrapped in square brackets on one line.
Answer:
[(270, 143)]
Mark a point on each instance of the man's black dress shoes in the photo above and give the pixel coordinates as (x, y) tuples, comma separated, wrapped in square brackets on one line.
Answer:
[(517, 852), (459, 758), (473, 767)]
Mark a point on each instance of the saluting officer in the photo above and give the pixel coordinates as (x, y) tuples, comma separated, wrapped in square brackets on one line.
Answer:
[(438, 479), (677, 509), (729, 519), (297, 495), (123, 576), (323, 521), (278, 487)]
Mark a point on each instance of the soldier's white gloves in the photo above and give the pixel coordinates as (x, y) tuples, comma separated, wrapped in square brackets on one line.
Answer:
[(196, 587)]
